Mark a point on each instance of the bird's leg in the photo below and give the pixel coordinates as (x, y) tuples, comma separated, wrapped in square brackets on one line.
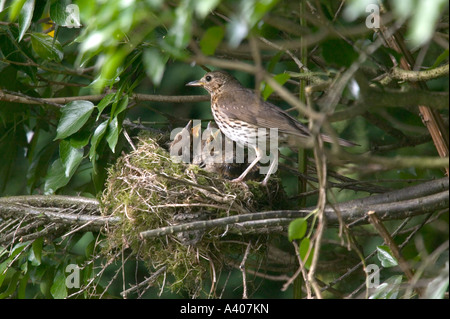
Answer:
[(270, 171), (255, 161)]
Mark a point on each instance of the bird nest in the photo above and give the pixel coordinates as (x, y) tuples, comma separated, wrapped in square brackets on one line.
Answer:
[(149, 191)]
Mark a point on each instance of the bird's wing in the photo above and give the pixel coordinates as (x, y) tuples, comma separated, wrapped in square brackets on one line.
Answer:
[(245, 105)]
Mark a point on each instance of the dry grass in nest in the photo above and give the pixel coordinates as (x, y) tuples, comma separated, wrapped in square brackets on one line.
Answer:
[(148, 190)]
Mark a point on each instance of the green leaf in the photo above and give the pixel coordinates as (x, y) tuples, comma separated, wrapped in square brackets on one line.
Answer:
[(55, 178), (18, 249), (438, 286), (204, 7), (260, 9), (303, 249), (118, 108), (81, 138), (113, 133), (74, 116), (110, 70), (58, 12), (297, 229), (12, 286), (15, 9), (47, 47), (96, 138), (388, 289), (104, 103), (35, 254), (25, 17), (443, 56), (180, 32), (23, 284), (58, 288), (71, 157), (89, 250), (280, 79), (237, 30), (250, 13), (211, 40), (385, 256), (155, 64), (274, 61)]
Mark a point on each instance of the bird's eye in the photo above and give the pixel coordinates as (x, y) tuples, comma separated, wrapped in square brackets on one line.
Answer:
[(208, 78)]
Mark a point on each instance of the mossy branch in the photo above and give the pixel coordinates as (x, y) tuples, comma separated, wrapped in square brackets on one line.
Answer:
[(67, 210), (414, 76)]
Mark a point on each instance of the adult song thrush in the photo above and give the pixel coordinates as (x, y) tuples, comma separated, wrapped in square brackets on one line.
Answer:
[(239, 113)]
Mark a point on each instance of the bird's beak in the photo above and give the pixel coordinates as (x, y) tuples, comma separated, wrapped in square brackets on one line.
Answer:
[(195, 83)]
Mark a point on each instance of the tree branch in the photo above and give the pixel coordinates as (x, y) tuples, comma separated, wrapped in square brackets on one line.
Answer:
[(394, 205), (374, 99), (16, 97), (415, 200), (414, 76), (370, 162), (66, 210)]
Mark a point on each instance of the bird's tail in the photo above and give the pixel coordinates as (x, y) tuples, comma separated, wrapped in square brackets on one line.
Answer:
[(341, 141)]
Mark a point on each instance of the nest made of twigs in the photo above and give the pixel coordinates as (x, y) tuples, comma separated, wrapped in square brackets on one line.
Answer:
[(148, 190)]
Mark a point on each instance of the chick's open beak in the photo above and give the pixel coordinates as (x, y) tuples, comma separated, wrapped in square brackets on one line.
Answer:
[(195, 83)]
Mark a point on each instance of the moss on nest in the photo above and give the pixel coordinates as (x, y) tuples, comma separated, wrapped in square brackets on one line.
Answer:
[(148, 190)]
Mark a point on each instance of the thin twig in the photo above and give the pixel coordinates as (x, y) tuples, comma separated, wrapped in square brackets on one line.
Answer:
[(378, 225), (243, 270)]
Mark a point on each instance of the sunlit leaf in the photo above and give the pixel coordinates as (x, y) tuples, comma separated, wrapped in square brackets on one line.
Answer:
[(155, 64), (204, 7), (25, 17), (249, 14), (424, 19), (403, 8), (180, 32), (388, 289), (386, 257), (237, 30), (110, 70), (15, 9), (60, 11)]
